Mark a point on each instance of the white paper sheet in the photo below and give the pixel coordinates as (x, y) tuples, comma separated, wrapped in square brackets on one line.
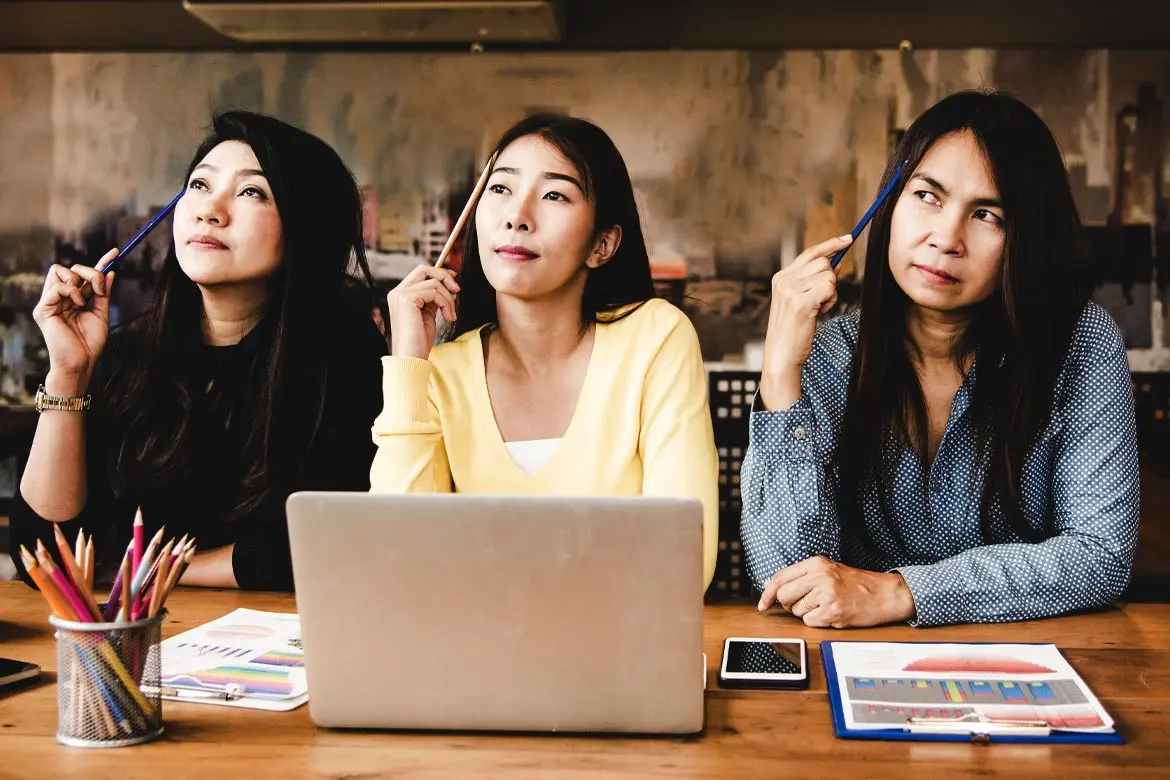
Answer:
[(883, 684), (256, 653)]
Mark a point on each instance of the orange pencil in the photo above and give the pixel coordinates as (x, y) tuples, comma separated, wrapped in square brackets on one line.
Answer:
[(176, 571), (74, 572), (160, 580), (48, 588), (180, 567), (61, 580)]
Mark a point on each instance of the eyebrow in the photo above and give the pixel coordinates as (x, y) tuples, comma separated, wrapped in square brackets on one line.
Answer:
[(545, 175), (992, 202), (240, 172)]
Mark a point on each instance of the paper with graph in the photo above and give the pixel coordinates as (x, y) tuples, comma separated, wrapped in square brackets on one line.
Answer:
[(246, 658), (883, 684)]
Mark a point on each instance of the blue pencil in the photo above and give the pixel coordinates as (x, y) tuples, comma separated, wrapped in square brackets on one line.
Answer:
[(885, 193), (151, 225)]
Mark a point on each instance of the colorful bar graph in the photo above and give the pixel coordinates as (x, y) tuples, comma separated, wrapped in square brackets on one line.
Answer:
[(953, 691), (1040, 691), (1012, 693), (981, 688)]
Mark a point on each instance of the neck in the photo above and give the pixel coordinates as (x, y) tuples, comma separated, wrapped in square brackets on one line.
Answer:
[(537, 336), (230, 312), (935, 335)]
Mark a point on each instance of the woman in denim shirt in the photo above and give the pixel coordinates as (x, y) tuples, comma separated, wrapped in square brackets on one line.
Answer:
[(962, 448)]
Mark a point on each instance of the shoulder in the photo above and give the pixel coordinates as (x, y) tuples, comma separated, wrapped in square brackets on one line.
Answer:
[(1095, 336), (1096, 359), (651, 321), (459, 354)]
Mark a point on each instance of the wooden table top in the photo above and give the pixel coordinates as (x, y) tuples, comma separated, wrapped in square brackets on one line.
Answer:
[(1123, 654)]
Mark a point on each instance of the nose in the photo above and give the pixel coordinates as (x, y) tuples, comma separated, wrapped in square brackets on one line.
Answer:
[(947, 232), (518, 216), (211, 209)]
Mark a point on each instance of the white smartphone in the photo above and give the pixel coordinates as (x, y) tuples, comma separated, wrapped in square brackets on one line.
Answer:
[(14, 671), (751, 662)]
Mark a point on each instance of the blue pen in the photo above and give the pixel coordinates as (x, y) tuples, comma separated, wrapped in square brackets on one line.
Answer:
[(159, 217), (869, 214)]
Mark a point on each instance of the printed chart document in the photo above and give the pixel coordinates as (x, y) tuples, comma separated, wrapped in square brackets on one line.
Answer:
[(246, 658), (885, 684)]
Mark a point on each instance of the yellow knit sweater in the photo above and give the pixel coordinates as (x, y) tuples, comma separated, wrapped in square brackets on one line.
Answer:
[(641, 427)]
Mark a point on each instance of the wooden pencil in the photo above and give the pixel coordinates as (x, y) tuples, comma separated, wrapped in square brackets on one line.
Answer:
[(122, 579), (79, 550), (136, 541), (57, 602), (89, 561), (125, 594), (467, 208), (74, 572), (160, 579), (80, 608)]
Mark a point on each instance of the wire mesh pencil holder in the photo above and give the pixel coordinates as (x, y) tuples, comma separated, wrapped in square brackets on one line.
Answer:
[(108, 682)]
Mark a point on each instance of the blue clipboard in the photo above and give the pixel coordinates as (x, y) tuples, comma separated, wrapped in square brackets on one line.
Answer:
[(835, 703)]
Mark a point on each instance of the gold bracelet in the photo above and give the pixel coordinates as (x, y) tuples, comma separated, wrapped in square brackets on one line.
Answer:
[(58, 403)]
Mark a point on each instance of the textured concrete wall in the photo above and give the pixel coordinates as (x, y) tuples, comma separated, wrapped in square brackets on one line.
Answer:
[(739, 158)]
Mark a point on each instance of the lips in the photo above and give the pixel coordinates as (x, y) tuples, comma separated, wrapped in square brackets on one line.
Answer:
[(935, 275), (517, 253), (206, 242)]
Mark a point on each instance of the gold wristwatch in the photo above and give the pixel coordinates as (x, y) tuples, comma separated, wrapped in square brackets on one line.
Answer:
[(58, 403)]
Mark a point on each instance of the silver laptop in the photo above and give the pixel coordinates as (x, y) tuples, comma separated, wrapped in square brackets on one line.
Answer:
[(482, 612)]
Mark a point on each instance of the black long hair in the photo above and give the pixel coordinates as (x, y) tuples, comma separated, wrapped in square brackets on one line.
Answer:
[(1018, 338), (322, 283), (612, 289)]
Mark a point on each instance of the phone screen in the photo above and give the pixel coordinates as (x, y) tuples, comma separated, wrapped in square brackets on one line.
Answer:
[(744, 657), (16, 670)]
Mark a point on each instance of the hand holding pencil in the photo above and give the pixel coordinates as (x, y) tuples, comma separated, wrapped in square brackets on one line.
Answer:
[(427, 290)]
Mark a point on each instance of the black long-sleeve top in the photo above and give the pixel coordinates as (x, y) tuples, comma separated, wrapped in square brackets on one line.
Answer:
[(198, 504)]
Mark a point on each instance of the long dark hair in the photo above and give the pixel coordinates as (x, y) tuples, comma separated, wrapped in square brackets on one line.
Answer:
[(322, 282), (1018, 338), (611, 289)]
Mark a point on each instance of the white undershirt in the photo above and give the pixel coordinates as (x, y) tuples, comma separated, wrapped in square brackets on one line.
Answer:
[(532, 454)]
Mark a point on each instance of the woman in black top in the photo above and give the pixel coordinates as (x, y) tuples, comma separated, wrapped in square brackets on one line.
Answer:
[(254, 373)]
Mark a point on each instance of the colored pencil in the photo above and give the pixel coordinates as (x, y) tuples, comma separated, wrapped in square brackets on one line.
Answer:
[(79, 550), (75, 573), (89, 562), (137, 558), (125, 594), (57, 601), (459, 223), (71, 595), (111, 609), (885, 193), (160, 580), (144, 565), (151, 225)]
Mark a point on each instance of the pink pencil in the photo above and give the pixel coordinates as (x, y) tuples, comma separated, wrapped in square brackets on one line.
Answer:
[(136, 558), (73, 597)]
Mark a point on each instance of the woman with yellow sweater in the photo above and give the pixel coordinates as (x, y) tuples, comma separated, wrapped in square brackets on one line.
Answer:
[(562, 374)]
